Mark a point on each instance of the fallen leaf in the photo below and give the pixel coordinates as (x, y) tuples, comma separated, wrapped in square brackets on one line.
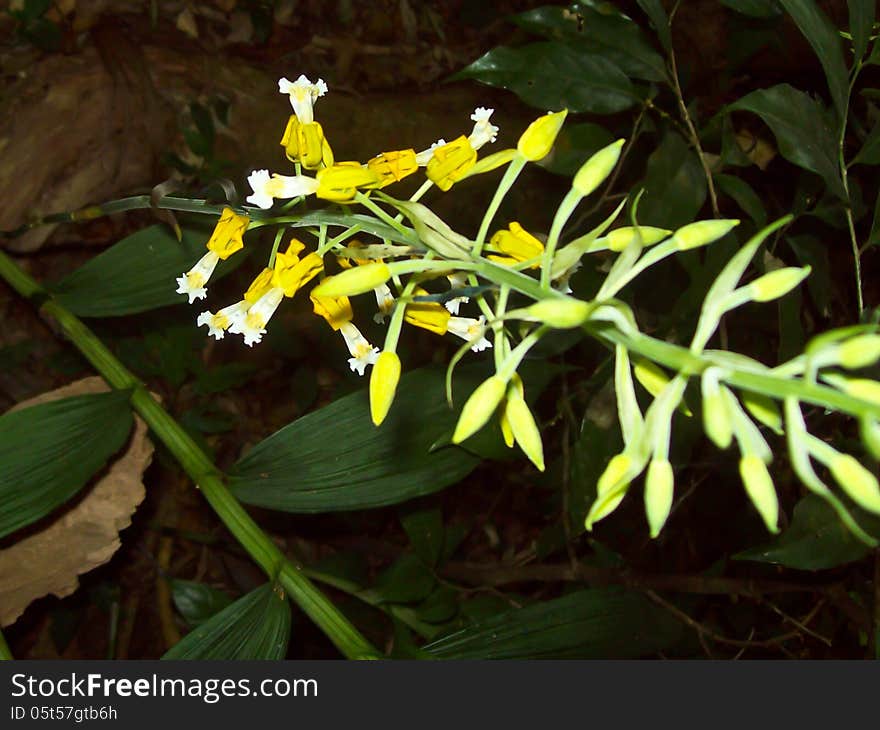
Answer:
[(756, 149), (83, 537), (186, 22)]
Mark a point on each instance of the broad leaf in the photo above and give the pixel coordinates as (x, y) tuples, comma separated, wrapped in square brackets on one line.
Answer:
[(675, 186), (743, 195), (336, 459), (813, 252), (426, 533), (825, 40), (197, 602), (869, 154), (601, 623), (804, 133), (575, 144), (137, 274), (861, 20), (816, 539), (654, 10), (606, 32), (50, 451), (256, 626), (754, 8), (553, 76)]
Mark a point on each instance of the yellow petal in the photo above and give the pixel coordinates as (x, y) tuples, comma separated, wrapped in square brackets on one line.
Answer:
[(383, 385), (537, 141)]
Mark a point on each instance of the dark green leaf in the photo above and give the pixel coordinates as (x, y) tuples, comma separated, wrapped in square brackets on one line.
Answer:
[(754, 8), (816, 539), (554, 76), (137, 274), (861, 20), (256, 626), (575, 144), (675, 186), (803, 131), (602, 623), (654, 10), (825, 40), (810, 251), (424, 527), (204, 123), (870, 152), (874, 237), (406, 580), (603, 31), (791, 329), (336, 459), (48, 452), (225, 377), (744, 196), (197, 602), (439, 607)]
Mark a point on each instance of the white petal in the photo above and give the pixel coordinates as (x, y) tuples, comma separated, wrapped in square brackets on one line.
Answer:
[(470, 329), (363, 353), (253, 324)]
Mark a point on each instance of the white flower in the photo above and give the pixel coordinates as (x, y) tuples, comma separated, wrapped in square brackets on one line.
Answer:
[(303, 94), (224, 319), (385, 302), (470, 329), (253, 324), (192, 283), (362, 352), (484, 131), (424, 157), (266, 187), (456, 281)]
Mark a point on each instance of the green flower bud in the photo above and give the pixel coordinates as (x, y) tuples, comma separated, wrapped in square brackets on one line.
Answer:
[(616, 474), (701, 233), (357, 280), (383, 384), (717, 421), (659, 488), (763, 409), (864, 388), (597, 168), (860, 484), (859, 352), (525, 430), (479, 408), (759, 487), (620, 238), (869, 430), (777, 283), (537, 141), (559, 312)]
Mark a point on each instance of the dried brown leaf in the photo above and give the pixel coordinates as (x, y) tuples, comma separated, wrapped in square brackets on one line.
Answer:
[(83, 537)]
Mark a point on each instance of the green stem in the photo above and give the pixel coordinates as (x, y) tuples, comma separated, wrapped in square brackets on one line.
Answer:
[(199, 467), (5, 651), (844, 178), (510, 175)]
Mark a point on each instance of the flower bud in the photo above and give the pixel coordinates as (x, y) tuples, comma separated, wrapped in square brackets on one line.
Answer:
[(383, 384), (537, 141), (479, 408), (559, 312), (525, 430), (777, 283), (659, 487), (763, 409), (616, 473), (859, 352), (620, 238), (869, 430), (354, 281), (702, 233), (759, 487), (860, 484), (864, 388), (717, 421), (597, 168)]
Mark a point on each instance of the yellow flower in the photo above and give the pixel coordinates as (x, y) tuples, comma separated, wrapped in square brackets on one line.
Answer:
[(383, 384), (227, 236), (305, 143), (336, 310), (341, 181), (292, 273), (450, 162), (537, 141), (516, 244), (430, 316), (391, 167)]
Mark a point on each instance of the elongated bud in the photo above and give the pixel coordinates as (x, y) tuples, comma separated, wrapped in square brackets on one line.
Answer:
[(559, 312), (537, 141), (859, 352), (863, 388), (383, 384), (659, 488), (717, 421), (479, 408), (759, 487), (597, 168), (777, 283), (702, 233), (620, 238), (515, 388), (869, 430), (763, 409), (350, 282), (856, 481), (525, 430), (616, 473)]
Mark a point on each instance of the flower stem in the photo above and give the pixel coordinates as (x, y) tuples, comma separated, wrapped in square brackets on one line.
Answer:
[(198, 466)]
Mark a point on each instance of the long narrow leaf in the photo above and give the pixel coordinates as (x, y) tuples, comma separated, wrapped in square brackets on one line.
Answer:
[(49, 452)]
